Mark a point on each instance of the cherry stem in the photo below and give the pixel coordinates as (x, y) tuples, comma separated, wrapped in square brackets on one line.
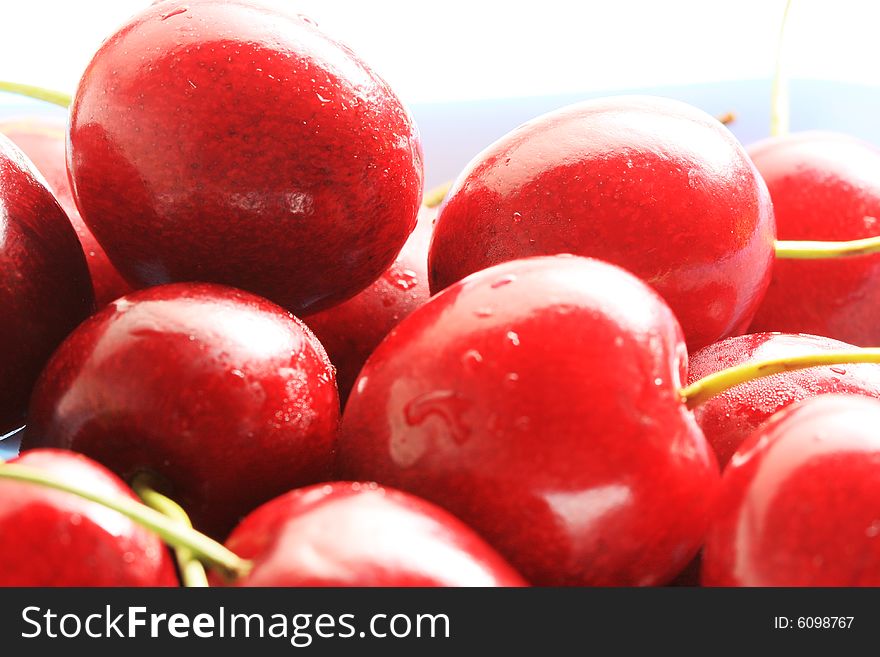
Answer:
[(699, 391), (780, 113), (192, 572), (434, 197), (727, 118), (50, 96), (172, 531), (817, 250)]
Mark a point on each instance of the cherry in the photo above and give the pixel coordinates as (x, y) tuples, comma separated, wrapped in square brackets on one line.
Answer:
[(44, 282), (653, 185), (353, 534), (41, 138), (352, 330), (224, 395), (233, 142), (53, 538), (539, 401), (798, 502), (824, 187), (732, 416)]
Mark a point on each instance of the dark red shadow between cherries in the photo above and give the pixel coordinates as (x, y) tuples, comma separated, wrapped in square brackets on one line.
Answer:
[(45, 290), (41, 138), (351, 331)]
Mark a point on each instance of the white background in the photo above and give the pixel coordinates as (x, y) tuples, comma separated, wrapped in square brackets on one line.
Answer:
[(456, 50)]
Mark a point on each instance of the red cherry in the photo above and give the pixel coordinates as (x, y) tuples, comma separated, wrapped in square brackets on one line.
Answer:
[(352, 330), (798, 503), (223, 394), (824, 186), (233, 142), (41, 138), (650, 184), (539, 401), (51, 538), (352, 534), (44, 282), (731, 417)]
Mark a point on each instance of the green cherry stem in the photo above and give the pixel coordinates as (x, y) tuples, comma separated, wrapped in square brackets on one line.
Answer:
[(172, 531), (780, 112), (192, 572), (817, 250), (55, 97), (700, 391), (434, 197)]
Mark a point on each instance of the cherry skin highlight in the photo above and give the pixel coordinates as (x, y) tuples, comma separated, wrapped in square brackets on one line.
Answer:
[(798, 502), (45, 289), (653, 185), (41, 138), (352, 330), (539, 401), (53, 538), (353, 534), (233, 142), (229, 399), (824, 186), (731, 417)]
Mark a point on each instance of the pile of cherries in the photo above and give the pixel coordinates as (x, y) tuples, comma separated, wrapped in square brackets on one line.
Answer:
[(562, 375)]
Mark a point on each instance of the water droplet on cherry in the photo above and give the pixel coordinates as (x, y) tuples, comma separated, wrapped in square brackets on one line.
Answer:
[(447, 405), (175, 12), (471, 360), (406, 279), (501, 282)]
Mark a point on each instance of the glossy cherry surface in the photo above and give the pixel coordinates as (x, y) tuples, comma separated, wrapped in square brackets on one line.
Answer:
[(798, 502), (352, 330), (227, 397), (653, 185), (539, 402), (353, 534), (45, 289), (731, 417), (233, 142), (53, 538), (825, 186), (41, 138)]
